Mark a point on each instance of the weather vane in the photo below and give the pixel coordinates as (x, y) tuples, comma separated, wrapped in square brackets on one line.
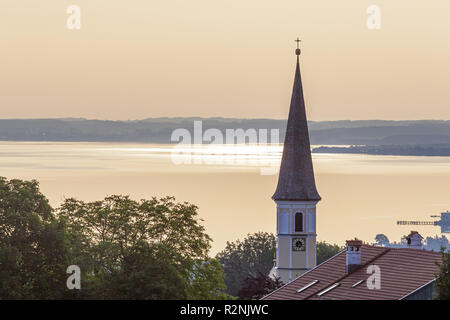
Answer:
[(297, 52)]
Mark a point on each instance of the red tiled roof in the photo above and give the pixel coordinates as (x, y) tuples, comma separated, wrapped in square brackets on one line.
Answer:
[(402, 272)]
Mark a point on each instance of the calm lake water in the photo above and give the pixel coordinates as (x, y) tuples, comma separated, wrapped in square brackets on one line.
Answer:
[(362, 195)]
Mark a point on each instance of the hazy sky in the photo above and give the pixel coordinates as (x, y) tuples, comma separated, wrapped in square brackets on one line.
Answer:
[(230, 58)]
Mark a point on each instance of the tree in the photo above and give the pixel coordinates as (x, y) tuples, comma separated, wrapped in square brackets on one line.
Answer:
[(241, 259), (207, 281), (126, 249), (443, 277), (147, 249), (325, 251), (437, 243), (147, 272), (381, 239), (255, 288), (33, 250)]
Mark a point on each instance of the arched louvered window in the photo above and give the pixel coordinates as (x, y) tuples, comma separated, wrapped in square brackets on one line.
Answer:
[(298, 222)]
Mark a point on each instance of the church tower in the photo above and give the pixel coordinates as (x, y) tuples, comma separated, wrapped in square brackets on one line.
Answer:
[(296, 195)]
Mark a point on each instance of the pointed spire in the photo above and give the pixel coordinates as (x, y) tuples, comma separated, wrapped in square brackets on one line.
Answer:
[(296, 179)]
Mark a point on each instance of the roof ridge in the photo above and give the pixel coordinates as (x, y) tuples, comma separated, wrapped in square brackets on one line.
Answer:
[(348, 274), (416, 250)]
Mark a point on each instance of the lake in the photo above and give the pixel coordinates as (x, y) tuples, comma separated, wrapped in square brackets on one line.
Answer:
[(362, 195)]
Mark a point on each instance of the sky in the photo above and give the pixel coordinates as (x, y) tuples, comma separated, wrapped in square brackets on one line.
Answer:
[(177, 58)]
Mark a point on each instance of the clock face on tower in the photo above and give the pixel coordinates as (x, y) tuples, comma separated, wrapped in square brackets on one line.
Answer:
[(298, 244)]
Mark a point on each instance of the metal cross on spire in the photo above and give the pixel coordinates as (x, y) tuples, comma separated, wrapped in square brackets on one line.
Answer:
[(297, 52)]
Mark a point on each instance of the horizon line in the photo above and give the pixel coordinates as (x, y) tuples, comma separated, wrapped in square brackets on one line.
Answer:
[(216, 117)]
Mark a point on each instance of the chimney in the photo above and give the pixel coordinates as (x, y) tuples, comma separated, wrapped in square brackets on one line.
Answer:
[(414, 240), (353, 255)]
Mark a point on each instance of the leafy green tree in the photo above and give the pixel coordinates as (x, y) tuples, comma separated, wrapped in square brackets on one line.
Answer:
[(126, 249), (207, 281), (325, 251), (147, 249), (147, 272), (255, 288), (443, 277), (33, 250), (241, 259)]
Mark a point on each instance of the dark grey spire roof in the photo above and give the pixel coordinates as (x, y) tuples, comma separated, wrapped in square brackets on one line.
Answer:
[(296, 179)]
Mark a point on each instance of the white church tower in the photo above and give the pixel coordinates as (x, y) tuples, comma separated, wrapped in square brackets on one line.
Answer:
[(296, 195)]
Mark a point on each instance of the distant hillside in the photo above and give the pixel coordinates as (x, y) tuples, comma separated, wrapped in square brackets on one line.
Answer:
[(159, 130)]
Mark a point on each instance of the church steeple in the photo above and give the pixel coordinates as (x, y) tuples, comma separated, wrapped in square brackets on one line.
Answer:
[(296, 178), (296, 195)]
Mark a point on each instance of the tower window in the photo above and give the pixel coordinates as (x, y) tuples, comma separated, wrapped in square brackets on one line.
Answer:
[(298, 222)]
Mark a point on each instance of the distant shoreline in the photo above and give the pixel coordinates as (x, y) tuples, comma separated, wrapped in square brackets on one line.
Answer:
[(406, 150), (396, 150)]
